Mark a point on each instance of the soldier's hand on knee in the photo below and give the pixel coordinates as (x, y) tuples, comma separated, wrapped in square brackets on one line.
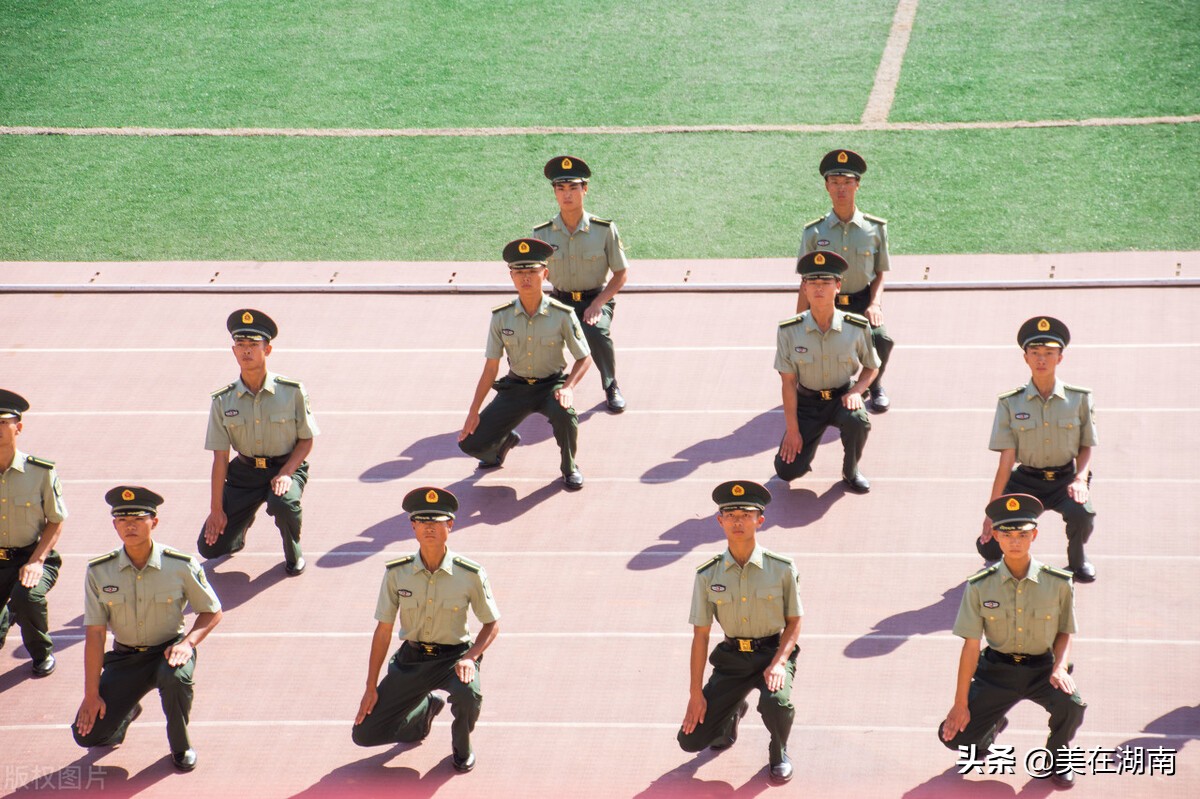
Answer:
[(280, 484), (875, 314), (89, 710), (985, 535), (469, 426), (1078, 490), (565, 397), (592, 315), (1061, 679), (31, 574), (852, 401), (956, 721), (791, 445), (178, 654), (465, 669), (214, 525), (774, 677), (696, 709), (370, 697)]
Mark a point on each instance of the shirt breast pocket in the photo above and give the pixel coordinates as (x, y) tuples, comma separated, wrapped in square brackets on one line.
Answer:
[(804, 359), (166, 599), (1068, 433), (770, 607), (410, 611), (996, 627), (594, 254), (866, 257), (284, 423), (551, 342), (1045, 622), (117, 608)]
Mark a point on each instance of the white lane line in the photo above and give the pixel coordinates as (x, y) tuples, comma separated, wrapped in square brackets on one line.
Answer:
[(477, 351), (655, 726), (883, 92), (634, 412), (596, 130)]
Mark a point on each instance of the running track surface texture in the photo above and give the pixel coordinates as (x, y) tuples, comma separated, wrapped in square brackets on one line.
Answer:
[(587, 682)]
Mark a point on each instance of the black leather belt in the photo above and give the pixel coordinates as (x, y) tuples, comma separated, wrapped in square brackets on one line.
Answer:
[(859, 299), (256, 462), (1049, 475), (511, 377), (126, 649), (753, 644), (16, 553), (575, 296), (823, 394), (1043, 659), (436, 650)]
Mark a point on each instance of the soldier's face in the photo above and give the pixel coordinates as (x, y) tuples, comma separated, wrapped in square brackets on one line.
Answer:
[(740, 525), (1015, 542), (820, 290), (432, 533), (1043, 360), (841, 188), (528, 280), (569, 196), (135, 530), (251, 353), (10, 428)]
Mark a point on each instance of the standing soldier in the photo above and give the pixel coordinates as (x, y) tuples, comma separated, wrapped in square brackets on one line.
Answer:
[(267, 420), (531, 331), (862, 240), (140, 591), (586, 249), (755, 596), (1027, 612), (431, 590), (1044, 432), (31, 517), (817, 355)]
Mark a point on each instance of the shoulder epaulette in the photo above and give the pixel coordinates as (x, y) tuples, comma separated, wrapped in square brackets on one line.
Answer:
[(781, 558), (103, 558), (878, 219), (1063, 573), (857, 320), (790, 321), (561, 305), (45, 464), (502, 306), (1012, 393), (599, 221), (979, 575), (400, 561), (287, 381), (469, 565), (544, 225), (223, 390), (1077, 388), (816, 221), (170, 553), (708, 564)]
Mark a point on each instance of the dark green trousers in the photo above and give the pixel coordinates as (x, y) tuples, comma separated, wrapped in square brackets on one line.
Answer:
[(126, 678), (814, 415), (735, 674), (399, 715), (1080, 518), (515, 400), (246, 489), (858, 302), (598, 337), (27, 606), (998, 686)]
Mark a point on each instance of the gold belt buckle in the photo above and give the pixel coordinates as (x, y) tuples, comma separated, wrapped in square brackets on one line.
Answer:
[(1018, 658), (576, 295), (429, 649), (745, 645), (531, 380), (1048, 474), (843, 299), (260, 463), (826, 394), (3, 554)]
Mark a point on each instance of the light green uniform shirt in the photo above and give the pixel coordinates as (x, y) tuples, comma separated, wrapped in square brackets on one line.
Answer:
[(1045, 433), (824, 360), (433, 605), (583, 259), (1018, 617), (862, 242), (751, 601), (534, 344), (265, 425), (30, 498), (145, 607)]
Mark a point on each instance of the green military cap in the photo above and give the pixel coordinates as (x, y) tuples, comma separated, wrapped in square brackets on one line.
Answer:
[(567, 169), (133, 501), (1014, 512), (741, 495), (12, 404), (843, 162), (429, 504), (527, 253), (1045, 331), (251, 324), (822, 264)]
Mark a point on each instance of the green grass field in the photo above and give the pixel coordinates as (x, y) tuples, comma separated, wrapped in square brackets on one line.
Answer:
[(370, 64)]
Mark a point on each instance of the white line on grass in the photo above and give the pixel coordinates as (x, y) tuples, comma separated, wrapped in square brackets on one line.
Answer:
[(631, 130), (883, 92)]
